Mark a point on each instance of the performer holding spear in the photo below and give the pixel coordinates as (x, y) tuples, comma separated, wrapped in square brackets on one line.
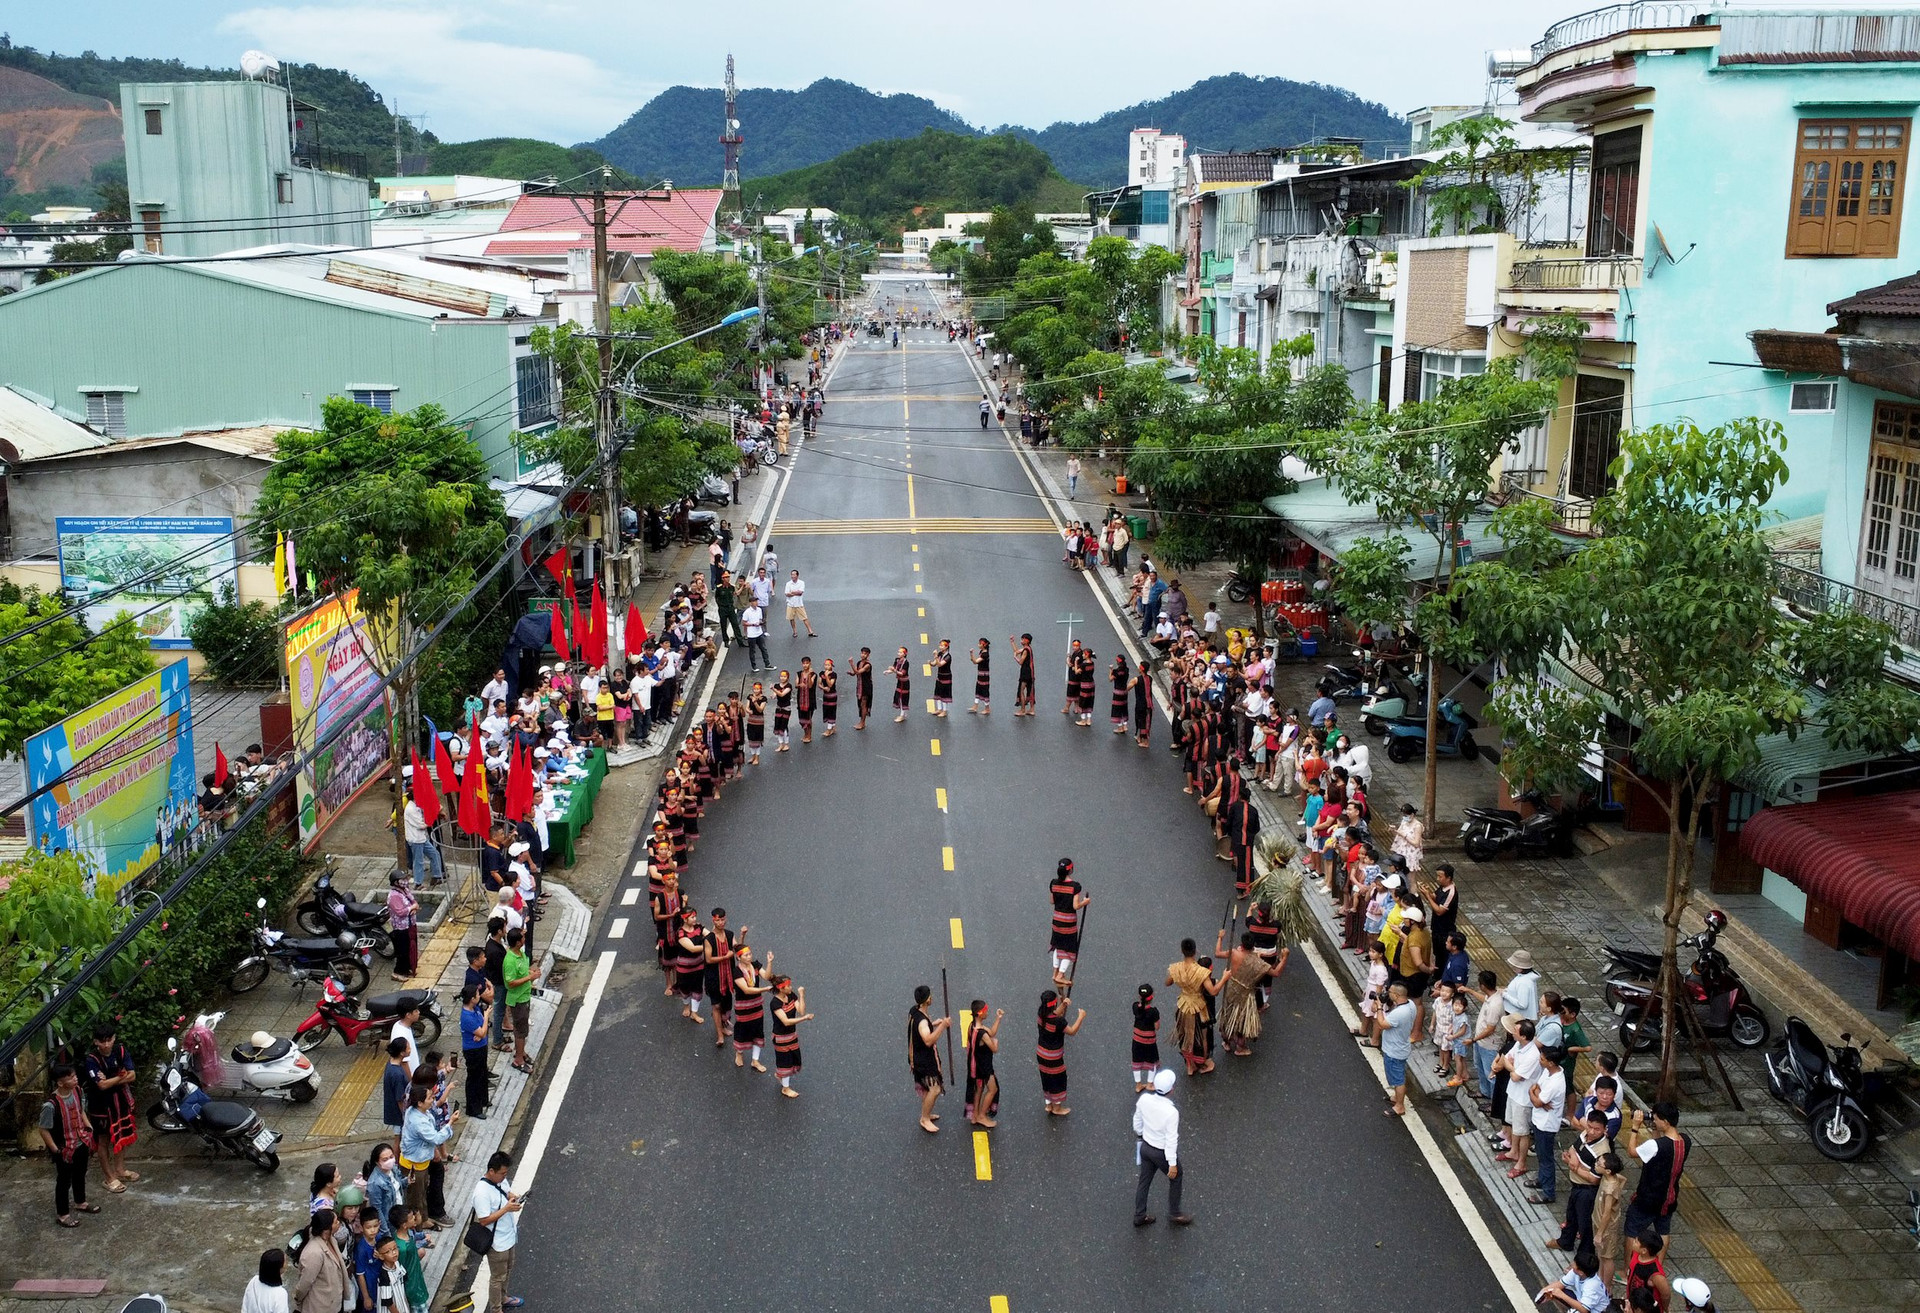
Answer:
[(923, 1057), (1069, 923)]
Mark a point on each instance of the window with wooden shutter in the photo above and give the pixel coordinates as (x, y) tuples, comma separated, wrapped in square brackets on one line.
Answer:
[(1848, 175)]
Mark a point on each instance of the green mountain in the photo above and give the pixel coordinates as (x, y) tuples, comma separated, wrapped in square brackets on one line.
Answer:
[(886, 182), (676, 134), (1232, 112), (519, 157)]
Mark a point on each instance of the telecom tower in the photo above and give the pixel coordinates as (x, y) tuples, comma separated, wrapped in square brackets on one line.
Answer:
[(730, 140)]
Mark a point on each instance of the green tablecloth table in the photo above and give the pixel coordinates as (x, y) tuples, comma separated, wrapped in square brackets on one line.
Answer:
[(564, 829)]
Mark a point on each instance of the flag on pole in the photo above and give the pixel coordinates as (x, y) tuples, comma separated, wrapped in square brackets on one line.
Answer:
[(557, 565), (280, 575), (582, 638), (566, 590), (519, 783), (597, 628), (293, 569), (443, 769), (219, 768), (425, 796), (636, 631), (559, 636), (476, 817)]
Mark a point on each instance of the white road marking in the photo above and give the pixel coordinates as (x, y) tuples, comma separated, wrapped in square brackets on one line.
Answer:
[(1517, 1291), (628, 897), (618, 930), (529, 1164)]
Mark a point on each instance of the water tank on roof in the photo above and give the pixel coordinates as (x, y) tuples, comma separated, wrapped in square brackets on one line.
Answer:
[(1508, 64)]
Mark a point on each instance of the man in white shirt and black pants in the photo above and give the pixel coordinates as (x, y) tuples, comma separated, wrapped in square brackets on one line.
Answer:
[(1157, 1124)]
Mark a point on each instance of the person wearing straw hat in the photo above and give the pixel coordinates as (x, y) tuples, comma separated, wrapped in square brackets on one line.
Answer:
[(1519, 1001)]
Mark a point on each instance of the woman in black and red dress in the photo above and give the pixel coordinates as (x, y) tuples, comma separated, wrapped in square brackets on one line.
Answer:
[(750, 990), (983, 1087), (690, 969), (782, 709), (1146, 1040), (789, 1010), (943, 678), (805, 690), (829, 701), (902, 686), (1121, 673), (862, 671), (1088, 680), (1142, 705), (1051, 1050), (982, 681), (1023, 694)]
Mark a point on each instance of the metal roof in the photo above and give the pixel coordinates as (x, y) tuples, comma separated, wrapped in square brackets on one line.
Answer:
[(1901, 297), (255, 440), (681, 220), (32, 431), (1855, 854), (1323, 516)]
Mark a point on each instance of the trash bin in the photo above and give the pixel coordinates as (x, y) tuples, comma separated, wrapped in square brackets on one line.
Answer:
[(1137, 526)]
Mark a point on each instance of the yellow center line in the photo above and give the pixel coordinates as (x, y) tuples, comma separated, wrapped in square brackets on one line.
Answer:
[(935, 744), (983, 1171), (959, 940), (910, 510), (916, 567), (923, 640), (916, 547), (940, 799), (966, 1019), (916, 588), (926, 669), (923, 613), (932, 706), (946, 859), (997, 1304)]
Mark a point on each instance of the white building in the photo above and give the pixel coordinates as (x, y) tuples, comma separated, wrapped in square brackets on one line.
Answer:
[(918, 241), (1153, 155), (786, 224)]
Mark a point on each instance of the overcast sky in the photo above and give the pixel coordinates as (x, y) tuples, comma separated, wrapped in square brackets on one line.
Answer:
[(570, 70)]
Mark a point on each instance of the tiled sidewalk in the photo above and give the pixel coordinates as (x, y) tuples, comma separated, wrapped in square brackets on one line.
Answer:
[(1768, 1223)]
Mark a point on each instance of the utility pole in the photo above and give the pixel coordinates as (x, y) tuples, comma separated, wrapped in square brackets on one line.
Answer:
[(603, 390)]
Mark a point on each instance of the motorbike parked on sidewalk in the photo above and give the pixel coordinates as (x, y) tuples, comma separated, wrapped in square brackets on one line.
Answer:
[(265, 1066), (1827, 1085), (1407, 739), (1712, 988), (329, 912), (345, 955), (339, 1012), (1392, 703), (222, 1126), (1489, 831)]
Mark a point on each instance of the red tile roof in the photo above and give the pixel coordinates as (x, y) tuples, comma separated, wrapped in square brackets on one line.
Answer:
[(1855, 854), (1900, 297), (552, 224)]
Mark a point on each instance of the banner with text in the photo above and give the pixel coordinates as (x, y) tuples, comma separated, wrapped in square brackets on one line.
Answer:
[(330, 668), (168, 568), (118, 777)]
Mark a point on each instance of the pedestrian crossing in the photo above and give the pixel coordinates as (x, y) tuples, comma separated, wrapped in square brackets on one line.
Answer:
[(918, 524)]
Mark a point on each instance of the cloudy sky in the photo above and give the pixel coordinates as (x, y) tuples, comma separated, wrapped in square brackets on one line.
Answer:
[(570, 70)]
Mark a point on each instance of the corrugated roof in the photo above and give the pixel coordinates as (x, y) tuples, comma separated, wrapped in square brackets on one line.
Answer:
[(1900, 297), (31, 431), (1233, 165), (252, 440), (1324, 517), (1855, 854), (549, 225)]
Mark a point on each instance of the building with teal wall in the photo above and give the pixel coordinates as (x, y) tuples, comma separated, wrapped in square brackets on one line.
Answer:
[(221, 166)]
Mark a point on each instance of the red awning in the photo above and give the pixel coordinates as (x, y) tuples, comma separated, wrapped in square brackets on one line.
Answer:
[(1854, 854)]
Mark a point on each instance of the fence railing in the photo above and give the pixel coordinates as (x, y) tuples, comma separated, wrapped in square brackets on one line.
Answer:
[(1815, 593), (1571, 515), (1595, 274), (1614, 19)]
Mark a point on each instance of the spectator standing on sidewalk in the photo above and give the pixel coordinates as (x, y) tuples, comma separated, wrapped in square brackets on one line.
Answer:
[(422, 851), (1395, 1028), (1582, 1161), (403, 910), (324, 1284), (1549, 1096), (1122, 540), (1151, 600), (1487, 1033), (1662, 1151), (1609, 1202), (267, 1292), (69, 1137), (497, 1207), (1073, 476), (726, 603)]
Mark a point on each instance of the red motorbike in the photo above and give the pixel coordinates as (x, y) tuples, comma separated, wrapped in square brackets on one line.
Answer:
[(339, 1012)]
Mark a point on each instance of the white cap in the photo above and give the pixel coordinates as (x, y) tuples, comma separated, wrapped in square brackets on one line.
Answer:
[(1413, 914), (1694, 1291), (539, 752), (406, 772), (1391, 882), (1162, 1081), (517, 848)]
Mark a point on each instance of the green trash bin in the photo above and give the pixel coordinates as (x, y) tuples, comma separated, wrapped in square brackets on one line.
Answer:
[(1137, 525)]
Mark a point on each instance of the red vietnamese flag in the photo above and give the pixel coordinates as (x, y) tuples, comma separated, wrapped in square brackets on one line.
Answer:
[(582, 637), (557, 565), (559, 634), (476, 817), (636, 631), (425, 796), (519, 783), (443, 768), (597, 629), (219, 768)]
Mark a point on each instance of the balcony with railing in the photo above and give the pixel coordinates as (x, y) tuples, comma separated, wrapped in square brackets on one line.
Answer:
[(1612, 20), (1562, 273), (1812, 593), (1572, 516), (1587, 61)]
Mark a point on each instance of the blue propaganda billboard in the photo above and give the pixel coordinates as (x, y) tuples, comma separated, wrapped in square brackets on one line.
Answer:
[(166, 568), (118, 777)]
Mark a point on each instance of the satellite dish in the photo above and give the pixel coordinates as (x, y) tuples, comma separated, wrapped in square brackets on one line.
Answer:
[(256, 63), (1665, 250)]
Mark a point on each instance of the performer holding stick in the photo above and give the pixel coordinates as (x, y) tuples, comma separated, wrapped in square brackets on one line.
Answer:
[(1069, 920), (923, 1058)]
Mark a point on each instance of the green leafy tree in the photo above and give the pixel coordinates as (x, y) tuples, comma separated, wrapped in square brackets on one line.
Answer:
[(1427, 466), (399, 507), (1009, 238), (1486, 177), (1670, 609), (59, 668), (240, 642)]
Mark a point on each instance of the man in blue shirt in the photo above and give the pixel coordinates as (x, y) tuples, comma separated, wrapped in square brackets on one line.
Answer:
[(474, 999), (394, 1082), (1458, 969), (367, 1267), (1150, 602), (1318, 711)]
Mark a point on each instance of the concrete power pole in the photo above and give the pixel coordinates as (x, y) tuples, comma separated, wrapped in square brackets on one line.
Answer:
[(603, 390)]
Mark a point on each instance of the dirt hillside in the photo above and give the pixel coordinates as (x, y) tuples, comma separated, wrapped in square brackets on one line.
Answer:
[(50, 135)]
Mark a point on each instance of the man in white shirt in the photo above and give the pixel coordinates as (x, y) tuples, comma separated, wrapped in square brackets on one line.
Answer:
[(1581, 1289), (753, 623), (762, 588), (589, 690), (497, 1207), (1522, 1064), (496, 722), (1549, 1095), (495, 689), (797, 606), (1210, 622), (1156, 1123)]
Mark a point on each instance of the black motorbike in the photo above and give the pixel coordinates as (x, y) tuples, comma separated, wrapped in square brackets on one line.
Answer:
[(329, 912), (345, 956), (1490, 831), (1712, 988), (222, 1126), (1825, 1084)]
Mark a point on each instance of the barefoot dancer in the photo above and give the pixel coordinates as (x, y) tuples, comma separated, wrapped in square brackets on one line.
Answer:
[(1050, 1051), (923, 1059), (1142, 705), (983, 1087), (1146, 1040), (1068, 900), (862, 671), (1121, 675), (943, 678), (789, 1010), (804, 693), (982, 683), (902, 686), (829, 701), (1023, 696)]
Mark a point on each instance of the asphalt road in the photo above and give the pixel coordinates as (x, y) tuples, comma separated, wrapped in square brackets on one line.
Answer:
[(676, 1181)]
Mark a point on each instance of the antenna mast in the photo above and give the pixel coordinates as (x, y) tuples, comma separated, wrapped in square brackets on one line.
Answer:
[(730, 140)]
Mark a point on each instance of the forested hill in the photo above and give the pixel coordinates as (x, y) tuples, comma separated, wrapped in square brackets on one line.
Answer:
[(885, 182), (675, 135), (1232, 112)]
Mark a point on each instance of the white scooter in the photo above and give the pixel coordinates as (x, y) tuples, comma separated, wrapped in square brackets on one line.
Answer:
[(268, 1067)]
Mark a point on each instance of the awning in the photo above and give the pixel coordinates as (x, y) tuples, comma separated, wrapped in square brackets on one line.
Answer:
[(1323, 517), (523, 503), (1854, 854)]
